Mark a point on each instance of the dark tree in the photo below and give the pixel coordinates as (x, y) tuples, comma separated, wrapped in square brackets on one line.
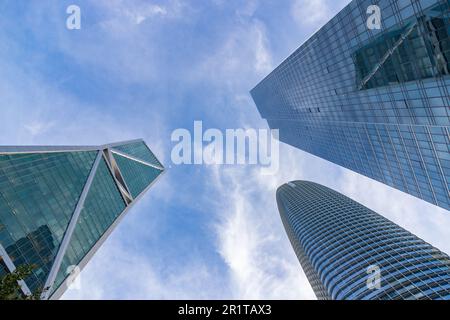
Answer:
[(10, 288)]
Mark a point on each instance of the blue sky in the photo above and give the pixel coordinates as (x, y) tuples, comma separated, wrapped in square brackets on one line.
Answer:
[(141, 69)]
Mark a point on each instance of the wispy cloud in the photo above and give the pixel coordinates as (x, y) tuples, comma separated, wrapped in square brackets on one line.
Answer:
[(121, 12), (244, 52), (38, 127), (315, 13), (250, 235), (121, 272), (145, 13), (263, 57)]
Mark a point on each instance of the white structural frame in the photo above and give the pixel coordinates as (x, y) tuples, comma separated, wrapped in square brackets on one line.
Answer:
[(11, 267), (117, 175), (123, 154), (70, 229), (122, 187)]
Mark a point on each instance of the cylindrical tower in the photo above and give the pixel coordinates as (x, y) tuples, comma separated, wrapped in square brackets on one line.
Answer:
[(350, 252)]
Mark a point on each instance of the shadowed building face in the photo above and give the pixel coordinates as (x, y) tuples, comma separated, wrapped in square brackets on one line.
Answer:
[(59, 204), (340, 243)]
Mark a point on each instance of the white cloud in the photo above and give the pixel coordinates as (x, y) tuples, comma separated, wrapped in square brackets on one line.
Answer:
[(117, 38), (121, 12), (315, 13), (310, 12), (145, 13), (245, 51), (38, 127), (250, 235), (263, 56), (118, 272), (248, 9)]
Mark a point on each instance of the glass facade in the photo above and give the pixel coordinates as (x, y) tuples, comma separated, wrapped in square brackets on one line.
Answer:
[(38, 194), (44, 190), (102, 207), (373, 101), (140, 151), (137, 175), (339, 243)]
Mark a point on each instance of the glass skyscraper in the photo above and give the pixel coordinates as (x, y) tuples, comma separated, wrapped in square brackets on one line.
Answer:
[(349, 252), (373, 101), (59, 204)]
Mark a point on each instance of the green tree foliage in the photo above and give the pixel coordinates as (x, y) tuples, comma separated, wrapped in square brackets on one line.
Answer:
[(10, 288)]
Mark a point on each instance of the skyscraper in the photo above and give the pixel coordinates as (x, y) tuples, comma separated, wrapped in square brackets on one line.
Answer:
[(375, 101), (349, 252), (59, 204)]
